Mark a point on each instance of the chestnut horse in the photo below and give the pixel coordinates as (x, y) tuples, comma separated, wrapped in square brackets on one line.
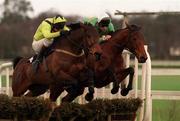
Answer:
[(110, 67), (69, 56)]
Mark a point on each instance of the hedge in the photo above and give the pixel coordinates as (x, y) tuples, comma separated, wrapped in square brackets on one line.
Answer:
[(23, 107), (36, 108), (97, 110)]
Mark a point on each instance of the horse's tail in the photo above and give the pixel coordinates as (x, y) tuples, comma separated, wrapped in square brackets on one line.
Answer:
[(15, 61)]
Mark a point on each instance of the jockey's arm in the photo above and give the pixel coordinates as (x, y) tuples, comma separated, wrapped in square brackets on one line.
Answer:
[(66, 28), (111, 27), (46, 30)]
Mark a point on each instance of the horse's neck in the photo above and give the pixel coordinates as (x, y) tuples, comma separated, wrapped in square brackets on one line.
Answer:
[(113, 45), (67, 44), (120, 39)]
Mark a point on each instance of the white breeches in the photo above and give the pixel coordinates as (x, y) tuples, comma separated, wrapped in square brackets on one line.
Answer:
[(37, 45)]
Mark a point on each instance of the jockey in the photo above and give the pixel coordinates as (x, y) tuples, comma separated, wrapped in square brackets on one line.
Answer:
[(45, 34), (104, 27)]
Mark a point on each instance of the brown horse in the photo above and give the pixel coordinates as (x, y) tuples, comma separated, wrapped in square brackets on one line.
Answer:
[(110, 67), (63, 65)]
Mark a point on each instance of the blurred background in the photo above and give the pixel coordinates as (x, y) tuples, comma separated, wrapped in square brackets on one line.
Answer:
[(19, 20)]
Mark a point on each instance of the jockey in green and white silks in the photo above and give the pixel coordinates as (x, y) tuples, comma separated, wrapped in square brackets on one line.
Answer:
[(104, 26), (45, 34)]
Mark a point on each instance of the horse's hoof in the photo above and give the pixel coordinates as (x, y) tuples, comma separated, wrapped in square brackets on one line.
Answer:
[(91, 89), (114, 90), (89, 97), (124, 91)]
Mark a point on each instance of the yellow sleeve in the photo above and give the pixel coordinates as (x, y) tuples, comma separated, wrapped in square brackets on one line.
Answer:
[(66, 28), (46, 31)]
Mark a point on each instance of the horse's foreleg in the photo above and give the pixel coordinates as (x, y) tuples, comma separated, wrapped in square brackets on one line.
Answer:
[(20, 88), (131, 75), (55, 91), (122, 75), (36, 90), (115, 81), (73, 92)]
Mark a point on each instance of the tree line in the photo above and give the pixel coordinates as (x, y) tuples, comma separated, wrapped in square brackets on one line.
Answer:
[(17, 29)]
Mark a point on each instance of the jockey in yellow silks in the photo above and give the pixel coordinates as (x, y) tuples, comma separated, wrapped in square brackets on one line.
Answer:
[(45, 34)]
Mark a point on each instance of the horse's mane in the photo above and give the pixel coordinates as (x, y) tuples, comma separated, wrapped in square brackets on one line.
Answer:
[(132, 28), (73, 27)]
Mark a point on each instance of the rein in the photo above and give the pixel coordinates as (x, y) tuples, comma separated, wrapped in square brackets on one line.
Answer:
[(69, 53)]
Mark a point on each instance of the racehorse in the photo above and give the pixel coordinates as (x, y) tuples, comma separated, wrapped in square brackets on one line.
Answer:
[(110, 67), (68, 56)]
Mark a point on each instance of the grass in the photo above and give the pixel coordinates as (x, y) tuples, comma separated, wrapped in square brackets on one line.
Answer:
[(166, 110), (164, 83)]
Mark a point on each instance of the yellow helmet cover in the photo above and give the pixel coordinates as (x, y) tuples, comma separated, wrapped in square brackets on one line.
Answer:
[(58, 19)]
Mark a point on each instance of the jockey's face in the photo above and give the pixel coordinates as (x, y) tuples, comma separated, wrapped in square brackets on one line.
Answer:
[(58, 26), (103, 28)]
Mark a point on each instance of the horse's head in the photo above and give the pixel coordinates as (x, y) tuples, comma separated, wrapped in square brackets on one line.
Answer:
[(133, 40)]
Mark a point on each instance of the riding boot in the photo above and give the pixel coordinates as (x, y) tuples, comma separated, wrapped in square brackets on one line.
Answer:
[(39, 58)]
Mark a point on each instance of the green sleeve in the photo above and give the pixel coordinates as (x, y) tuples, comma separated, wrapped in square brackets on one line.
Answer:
[(111, 27), (46, 31)]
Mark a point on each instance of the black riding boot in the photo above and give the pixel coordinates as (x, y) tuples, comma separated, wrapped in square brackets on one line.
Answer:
[(39, 58)]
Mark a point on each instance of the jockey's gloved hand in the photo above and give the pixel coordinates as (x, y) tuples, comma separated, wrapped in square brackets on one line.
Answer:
[(64, 33)]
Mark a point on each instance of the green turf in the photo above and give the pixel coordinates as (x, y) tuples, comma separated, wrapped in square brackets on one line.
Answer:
[(4, 81), (166, 110), (164, 83)]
